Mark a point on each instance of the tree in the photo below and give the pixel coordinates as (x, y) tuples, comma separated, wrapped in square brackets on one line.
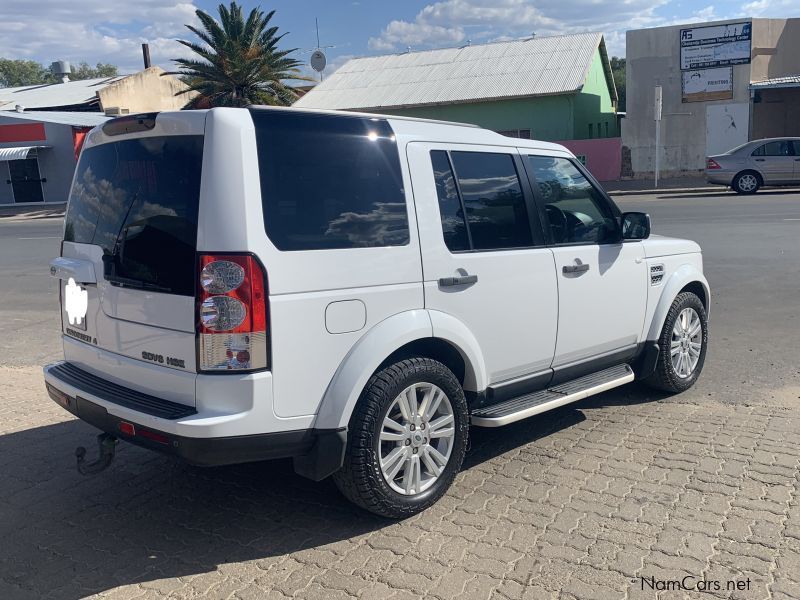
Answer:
[(16, 73), (240, 63), (84, 71), (618, 70)]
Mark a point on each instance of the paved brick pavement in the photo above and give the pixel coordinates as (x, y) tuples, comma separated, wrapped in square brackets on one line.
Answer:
[(585, 502)]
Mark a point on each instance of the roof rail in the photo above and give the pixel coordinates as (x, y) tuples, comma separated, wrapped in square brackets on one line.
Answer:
[(324, 111)]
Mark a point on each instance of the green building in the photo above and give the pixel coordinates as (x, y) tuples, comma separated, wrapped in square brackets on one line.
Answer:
[(548, 88)]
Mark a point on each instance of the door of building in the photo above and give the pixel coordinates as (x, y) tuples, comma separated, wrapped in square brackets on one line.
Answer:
[(26, 181)]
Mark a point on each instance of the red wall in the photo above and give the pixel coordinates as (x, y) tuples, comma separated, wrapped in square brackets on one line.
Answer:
[(603, 156), (28, 132)]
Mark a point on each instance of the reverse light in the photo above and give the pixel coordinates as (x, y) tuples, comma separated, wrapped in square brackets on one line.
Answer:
[(712, 164), (231, 314)]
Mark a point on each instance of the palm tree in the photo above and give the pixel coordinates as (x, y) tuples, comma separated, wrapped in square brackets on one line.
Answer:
[(240, 64)]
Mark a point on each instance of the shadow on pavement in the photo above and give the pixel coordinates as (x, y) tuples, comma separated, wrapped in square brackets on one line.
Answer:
[(150, 517)]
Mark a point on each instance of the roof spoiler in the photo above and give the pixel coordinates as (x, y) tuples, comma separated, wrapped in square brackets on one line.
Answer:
[(130, 124)]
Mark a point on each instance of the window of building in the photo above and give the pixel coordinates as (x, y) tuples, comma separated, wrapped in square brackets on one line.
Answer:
[(524, 134), (329, 182), (607, 129), (491, 209), (591, 130), (599, 132), (577, 213)]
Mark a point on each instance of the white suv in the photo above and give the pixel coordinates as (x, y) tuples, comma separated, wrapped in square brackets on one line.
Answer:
[(352, 291)]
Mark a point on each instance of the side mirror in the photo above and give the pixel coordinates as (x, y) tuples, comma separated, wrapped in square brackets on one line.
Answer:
[(635, 226)]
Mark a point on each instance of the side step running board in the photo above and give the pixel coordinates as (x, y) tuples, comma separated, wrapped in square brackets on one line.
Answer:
[(528, 405)]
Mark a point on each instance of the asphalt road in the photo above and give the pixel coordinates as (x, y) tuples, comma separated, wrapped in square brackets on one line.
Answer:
[(751, 249)]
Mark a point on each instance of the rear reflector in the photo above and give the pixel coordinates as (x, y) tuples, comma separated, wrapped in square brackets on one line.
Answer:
[(127, 428), (231, 314), (152, 435)]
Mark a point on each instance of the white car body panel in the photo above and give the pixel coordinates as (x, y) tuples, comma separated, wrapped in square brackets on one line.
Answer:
[(336, 315), (518, 287), (603, 309)]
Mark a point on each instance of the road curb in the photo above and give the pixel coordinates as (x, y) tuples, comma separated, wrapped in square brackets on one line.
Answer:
[(695, 190)]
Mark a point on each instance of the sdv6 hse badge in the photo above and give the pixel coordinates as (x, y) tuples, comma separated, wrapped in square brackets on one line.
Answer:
[(76, 303)]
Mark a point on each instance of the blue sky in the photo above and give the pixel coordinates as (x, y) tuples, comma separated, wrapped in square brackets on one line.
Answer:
[(106, 31)]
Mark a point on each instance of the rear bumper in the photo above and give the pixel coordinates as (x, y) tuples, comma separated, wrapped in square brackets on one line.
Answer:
[(719, 176), (149, 422)]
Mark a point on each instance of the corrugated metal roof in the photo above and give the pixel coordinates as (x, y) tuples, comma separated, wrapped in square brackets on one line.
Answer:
[(777, 82), (78, 119), (54, 94), (19, 152), (531, 67)]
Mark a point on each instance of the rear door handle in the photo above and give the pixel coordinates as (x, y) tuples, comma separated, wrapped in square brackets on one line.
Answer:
[(462, 280), (581, 268)]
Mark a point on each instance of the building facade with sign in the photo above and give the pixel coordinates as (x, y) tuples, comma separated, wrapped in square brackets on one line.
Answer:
[(723, 83)]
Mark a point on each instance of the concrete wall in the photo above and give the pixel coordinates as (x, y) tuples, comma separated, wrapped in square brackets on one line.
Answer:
[(145, 91), (56, 164), (776, 48), (777, 113), (603, 157), (653, 58)]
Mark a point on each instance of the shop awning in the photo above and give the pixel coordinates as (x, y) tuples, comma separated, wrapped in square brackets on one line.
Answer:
[(20, 152)]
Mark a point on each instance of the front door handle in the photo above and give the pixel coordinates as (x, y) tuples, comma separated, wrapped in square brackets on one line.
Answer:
[(760, 160), (462, 280), (577, 268)]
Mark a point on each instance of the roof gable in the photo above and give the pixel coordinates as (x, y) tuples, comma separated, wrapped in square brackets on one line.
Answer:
[(520, 68)]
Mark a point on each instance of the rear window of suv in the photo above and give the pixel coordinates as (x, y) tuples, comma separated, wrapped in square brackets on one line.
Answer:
[(329, 181), (137, 199)]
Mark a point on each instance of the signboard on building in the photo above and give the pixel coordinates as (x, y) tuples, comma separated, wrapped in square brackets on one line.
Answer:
[(707, 84), (715, 46)]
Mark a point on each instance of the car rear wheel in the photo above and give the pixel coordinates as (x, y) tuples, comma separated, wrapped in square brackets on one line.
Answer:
[(747, 182), (406, 439), (682, 345)]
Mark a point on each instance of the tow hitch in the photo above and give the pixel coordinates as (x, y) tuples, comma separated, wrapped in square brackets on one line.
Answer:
[(106, 444)]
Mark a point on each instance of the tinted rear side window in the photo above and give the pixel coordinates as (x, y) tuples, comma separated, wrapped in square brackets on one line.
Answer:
[(492, 195), (329, 182), (454, 227), (138, 200)]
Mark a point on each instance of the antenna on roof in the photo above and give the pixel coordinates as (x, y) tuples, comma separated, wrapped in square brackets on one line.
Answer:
[(533, 34), (408, 49)]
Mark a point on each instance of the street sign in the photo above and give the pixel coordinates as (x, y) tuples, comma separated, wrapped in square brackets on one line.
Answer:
[(657, 104), (318, 60)]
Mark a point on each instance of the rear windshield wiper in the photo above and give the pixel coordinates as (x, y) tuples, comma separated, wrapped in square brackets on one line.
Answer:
[(135, 283)]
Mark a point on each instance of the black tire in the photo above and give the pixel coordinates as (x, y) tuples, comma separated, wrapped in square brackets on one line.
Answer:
[(360, 479), (665, 376), (747, 190)]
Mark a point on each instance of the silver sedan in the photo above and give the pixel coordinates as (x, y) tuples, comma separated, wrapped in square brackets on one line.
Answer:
[(773, 161)]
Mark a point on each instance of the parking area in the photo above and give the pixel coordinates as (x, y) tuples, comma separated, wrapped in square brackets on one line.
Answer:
[(625, 495)]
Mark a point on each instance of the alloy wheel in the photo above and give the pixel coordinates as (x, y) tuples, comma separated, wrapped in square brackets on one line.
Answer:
[(416, 438), (687, 342)]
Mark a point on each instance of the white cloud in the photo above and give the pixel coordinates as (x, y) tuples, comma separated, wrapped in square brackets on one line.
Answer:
[(96, 31), (451, 22)]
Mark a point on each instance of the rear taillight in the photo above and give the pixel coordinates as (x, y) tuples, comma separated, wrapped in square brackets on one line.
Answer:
[(231, 313), (712, 164)]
